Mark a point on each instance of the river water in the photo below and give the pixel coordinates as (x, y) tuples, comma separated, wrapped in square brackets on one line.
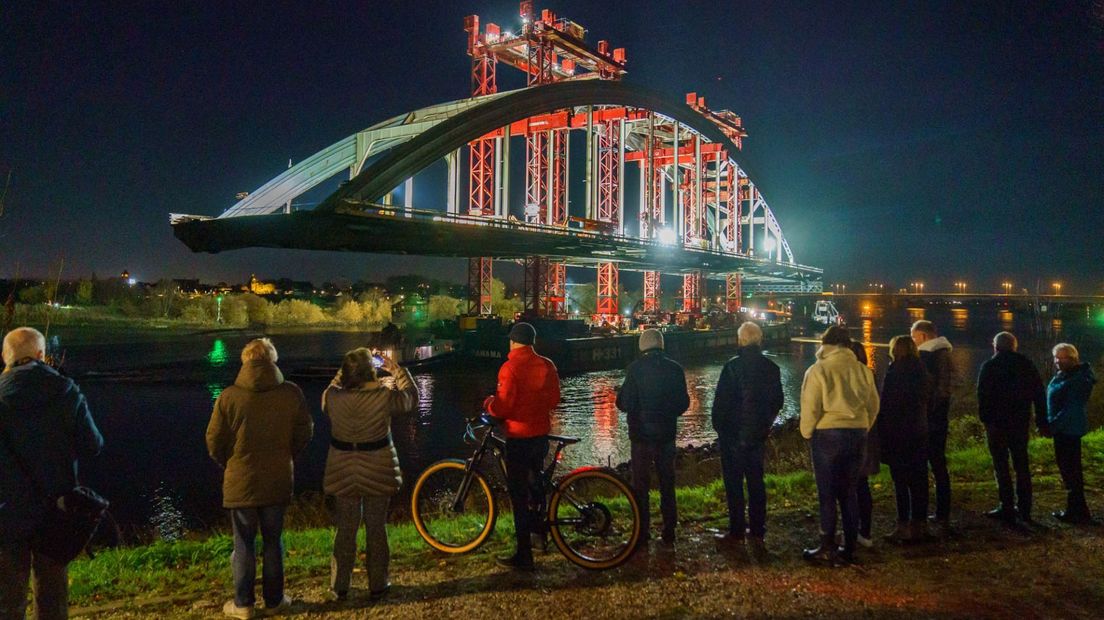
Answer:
[(155, 467)]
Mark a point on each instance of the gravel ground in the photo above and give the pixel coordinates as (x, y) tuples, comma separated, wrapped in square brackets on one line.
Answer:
[(980, 571)]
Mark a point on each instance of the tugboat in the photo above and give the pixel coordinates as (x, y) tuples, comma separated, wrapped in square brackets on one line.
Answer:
[(825, 314)]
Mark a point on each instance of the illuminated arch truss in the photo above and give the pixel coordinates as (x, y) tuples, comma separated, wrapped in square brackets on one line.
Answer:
[(699, 196)]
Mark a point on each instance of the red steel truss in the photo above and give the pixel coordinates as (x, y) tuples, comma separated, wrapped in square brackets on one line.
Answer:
[(692, 292), (609, 182), (733, 282), (481, 158)]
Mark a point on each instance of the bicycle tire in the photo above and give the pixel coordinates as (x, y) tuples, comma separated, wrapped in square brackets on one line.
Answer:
[(596, 533), (437, 522)]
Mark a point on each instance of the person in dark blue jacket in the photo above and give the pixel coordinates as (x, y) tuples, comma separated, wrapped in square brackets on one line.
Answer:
[(745, 405), (653, 397), (1067, 397), (45, 426)]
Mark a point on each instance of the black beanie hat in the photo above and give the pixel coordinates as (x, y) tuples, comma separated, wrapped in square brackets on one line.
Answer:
[(523, 333)]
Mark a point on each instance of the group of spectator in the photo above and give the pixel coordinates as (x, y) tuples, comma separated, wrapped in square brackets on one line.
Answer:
[(261, 422)]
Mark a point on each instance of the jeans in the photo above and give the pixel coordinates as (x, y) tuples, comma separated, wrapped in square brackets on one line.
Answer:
[(937, 458), (661, 455), (50, 583), (837, 458), (246, 521), (349, 513), (865, 505), (910, 486), (1003, 442), (524, 462), (1067, 453), (740, 462)]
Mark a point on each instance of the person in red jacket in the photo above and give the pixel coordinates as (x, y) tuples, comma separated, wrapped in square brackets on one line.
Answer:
[(528, 390)]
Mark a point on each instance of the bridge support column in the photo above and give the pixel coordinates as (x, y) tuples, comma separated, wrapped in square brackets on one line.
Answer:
[(479, 287), (481, 161), (692, 293), (651, 292), (733, 297), (609, 208)]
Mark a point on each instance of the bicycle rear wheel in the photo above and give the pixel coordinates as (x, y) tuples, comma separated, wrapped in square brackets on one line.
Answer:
[(594, 519), (447, 521)]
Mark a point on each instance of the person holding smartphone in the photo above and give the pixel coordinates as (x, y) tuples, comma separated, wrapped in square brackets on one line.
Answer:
[(362, 467)]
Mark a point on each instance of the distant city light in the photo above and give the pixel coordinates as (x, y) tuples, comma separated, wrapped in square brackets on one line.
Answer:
[(132, 281)]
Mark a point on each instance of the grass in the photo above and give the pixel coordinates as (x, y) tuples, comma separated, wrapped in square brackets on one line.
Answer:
[(191, 567)]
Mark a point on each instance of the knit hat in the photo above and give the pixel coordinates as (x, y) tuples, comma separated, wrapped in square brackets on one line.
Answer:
[(523, 333), (651, 339)]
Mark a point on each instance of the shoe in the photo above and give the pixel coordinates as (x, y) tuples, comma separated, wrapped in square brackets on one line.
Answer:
[(824, 554), (901, 533), (278, 608), (864, 541), (376, 595), (729, 538), (512, 562), (845, 555), (232, 610), (1075, 518), (339, 596), (668, 539), (918, 531), (1002, 514)]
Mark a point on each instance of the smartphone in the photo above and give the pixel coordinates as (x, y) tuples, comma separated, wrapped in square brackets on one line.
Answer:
[(377, 361)]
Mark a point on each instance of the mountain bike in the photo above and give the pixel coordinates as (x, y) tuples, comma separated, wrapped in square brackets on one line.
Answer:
[(590, 513)]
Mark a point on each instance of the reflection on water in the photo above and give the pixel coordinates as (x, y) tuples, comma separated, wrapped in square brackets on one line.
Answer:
[(218, 356), (1056, 327), (917, 314), (959, 318), (1007, 319), (868, 343)]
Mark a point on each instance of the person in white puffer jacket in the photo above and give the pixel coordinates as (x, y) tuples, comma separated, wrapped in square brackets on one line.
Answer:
[(839, 402)]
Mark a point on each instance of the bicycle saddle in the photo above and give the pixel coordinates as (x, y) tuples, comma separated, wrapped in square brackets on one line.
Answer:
[(567, 441)]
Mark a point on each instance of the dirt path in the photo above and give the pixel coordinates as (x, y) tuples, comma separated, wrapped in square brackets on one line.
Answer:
[(982, 571)]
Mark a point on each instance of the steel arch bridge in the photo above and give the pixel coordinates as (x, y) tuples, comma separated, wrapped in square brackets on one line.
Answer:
[(697, 212)]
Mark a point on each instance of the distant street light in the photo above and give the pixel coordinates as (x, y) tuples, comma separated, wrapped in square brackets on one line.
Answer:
[(1007, 287)]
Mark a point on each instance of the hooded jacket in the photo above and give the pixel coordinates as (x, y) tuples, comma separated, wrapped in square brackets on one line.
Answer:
[(528, 391), (748, 397), (363, 415), (1008, 385), (838, 392), (936, 355), (653, 397), (45, 420), (1067, 398), (257, 427)]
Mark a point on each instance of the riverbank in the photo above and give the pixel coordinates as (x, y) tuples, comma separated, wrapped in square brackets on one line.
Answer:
[(982, 570)]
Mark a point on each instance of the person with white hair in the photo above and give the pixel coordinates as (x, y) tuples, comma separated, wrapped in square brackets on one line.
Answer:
[(1067, 399), (745, 404), (257, 427), (653, 397), (45, 427), (1007, 387)]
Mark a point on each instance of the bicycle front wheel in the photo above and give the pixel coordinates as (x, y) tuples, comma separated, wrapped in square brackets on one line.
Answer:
[(594, 519), (452, 512)]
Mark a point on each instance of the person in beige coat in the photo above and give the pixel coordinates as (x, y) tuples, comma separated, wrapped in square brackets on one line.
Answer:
[(839, 402), (362, 467)]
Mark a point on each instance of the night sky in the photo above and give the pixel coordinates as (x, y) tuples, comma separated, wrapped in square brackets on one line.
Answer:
[(952, 140)]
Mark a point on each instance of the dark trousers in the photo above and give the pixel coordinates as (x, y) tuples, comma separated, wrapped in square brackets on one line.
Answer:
[(661, 456), (837, 458), (865, 505), (910, 486), (740, 462), (246, 521), (49, 582), (1004, 442), (524, 462), (937, 458), (1067, 452)]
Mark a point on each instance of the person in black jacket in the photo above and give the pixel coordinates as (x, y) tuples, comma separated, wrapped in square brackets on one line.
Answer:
[(45, 426), (653, 397), (902, 433), (745, 405), (935, 352), (1008, 385)]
